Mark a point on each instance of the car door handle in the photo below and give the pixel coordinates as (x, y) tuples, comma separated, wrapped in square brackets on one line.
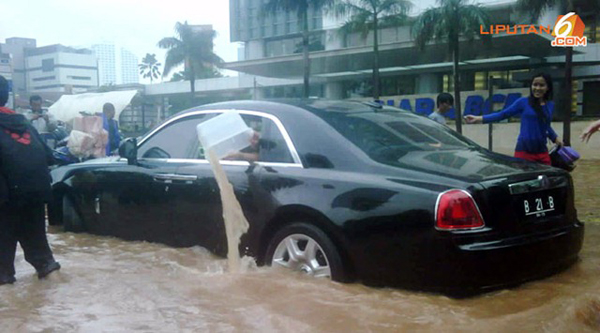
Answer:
[(169, 177)]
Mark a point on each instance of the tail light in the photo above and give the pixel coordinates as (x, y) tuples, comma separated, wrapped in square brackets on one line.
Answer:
[(456, 209)]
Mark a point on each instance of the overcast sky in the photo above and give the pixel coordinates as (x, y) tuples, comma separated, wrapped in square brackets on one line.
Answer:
[(134, 25)]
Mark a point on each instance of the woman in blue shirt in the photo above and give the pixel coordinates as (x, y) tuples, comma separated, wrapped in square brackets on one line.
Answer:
[(536, 116)]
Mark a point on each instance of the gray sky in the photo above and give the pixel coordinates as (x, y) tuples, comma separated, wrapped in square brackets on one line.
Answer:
[(134, 25)]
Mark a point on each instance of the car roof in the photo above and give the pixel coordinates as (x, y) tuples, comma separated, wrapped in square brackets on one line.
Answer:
[(297, 105)]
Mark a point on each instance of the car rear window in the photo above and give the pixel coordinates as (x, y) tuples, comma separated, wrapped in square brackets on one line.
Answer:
[(387, 136)]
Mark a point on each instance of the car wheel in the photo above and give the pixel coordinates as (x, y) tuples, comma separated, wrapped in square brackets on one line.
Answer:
[(71, 219), (305, 248)]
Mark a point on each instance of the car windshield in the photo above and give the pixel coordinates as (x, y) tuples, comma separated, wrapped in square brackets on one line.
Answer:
[(387, 136)]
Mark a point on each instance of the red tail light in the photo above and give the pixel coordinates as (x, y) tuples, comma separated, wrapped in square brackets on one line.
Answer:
[(456, 209)]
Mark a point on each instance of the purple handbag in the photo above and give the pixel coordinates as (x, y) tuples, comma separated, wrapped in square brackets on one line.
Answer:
[(568, 154), (564, 157)]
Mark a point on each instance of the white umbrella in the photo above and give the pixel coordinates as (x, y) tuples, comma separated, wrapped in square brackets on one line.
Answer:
[(70, 106)]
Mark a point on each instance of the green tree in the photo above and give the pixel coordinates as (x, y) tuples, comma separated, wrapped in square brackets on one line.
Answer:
[(372, 15), (536, 8), (448, 21), (192, 48), (203, 73), (149, 68), (301, 8)]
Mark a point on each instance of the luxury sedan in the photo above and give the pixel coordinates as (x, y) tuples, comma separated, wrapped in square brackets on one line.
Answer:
[(344, 190)]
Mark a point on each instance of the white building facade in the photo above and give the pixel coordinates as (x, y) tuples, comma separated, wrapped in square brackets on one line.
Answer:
[(57, 68)]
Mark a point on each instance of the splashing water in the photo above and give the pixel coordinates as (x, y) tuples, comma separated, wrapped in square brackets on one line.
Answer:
[(235, 221)]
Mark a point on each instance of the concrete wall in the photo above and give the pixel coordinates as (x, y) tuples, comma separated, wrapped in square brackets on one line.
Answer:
[(505, 137)]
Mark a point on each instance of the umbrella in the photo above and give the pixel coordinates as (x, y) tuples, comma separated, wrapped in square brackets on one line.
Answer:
[(70, 106)]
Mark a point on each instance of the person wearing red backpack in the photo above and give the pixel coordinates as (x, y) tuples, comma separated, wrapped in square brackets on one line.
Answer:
[(24, 189)]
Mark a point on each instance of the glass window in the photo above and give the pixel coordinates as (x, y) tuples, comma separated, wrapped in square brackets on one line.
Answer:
[(174, 140), (47, 65), (180, 140), (386, 136)]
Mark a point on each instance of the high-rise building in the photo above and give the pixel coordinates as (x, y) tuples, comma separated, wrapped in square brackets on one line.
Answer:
[(272, 35), (107, 63), (129, 67), (116, 64)]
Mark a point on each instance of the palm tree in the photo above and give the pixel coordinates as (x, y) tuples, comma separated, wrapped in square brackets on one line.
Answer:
[(191, 47), (372, 15), (536, 8), (446, 22), (300, 7), (149, 68), (203, 73)]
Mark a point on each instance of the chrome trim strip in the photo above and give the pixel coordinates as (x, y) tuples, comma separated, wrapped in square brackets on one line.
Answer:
[(278, 123), (175, 176), (224, 162), (529, 185), (437, 203)]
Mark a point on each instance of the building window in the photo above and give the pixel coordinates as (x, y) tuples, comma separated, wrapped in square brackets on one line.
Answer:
[(47, 65), (45, 78), (86, 78)]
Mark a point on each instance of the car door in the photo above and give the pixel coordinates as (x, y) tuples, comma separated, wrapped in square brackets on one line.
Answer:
[(137, 200), (198, 209)]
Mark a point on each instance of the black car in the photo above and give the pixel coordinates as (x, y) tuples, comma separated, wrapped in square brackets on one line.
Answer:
[(346, 190)]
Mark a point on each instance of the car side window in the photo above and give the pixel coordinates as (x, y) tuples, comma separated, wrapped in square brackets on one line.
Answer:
[(273, 147), (173, 141), (271, 144)]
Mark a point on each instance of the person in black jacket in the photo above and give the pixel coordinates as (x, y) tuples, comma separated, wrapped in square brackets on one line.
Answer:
[(24, 189)]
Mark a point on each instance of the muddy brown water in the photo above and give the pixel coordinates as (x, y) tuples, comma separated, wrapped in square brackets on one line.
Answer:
[(110, 285)]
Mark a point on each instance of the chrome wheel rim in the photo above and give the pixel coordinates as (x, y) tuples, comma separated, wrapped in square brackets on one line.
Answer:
[(301, 253)]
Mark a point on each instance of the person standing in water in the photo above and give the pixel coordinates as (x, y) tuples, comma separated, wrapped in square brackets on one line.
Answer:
[(536, 116), (24, 189)]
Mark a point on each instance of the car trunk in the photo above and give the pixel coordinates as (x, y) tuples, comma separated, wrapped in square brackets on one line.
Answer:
[(527, 203), (515, 197)]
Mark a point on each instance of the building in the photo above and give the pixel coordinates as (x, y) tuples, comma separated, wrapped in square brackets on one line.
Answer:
[(61, 69), (341, 66), (129, 67), (6, 70), (107, 63), (116, 65), (16, 47)]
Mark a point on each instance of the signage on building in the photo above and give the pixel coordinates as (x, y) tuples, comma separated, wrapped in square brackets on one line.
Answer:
[(474, 102)]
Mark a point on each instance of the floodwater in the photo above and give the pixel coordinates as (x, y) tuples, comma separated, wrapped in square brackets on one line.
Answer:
[(110, 285)]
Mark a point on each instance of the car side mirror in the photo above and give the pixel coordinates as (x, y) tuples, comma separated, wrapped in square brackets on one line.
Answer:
[(128, 150)]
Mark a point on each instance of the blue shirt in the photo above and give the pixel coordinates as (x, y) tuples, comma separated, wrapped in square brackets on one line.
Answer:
[(114, 138), (534, 133)]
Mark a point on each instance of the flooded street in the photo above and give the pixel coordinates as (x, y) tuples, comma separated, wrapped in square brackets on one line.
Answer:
[(109, 285)]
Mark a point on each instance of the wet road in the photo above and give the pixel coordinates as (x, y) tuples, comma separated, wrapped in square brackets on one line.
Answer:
[(110, 285)]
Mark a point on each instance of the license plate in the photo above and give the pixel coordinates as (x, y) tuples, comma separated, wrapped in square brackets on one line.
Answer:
[(538, 206)]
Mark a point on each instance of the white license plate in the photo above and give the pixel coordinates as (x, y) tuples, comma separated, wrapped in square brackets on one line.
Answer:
[(538, 206)]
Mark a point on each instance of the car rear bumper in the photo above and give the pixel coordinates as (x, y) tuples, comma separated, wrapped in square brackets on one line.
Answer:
[(466, 266)]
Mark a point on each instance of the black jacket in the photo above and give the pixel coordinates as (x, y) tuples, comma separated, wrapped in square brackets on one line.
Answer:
[(24, 161)]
